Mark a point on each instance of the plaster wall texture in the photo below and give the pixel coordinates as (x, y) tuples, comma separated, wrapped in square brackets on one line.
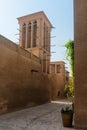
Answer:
[(80, 34), (57, 84), (18, 84), (22, 82), (35, 31)]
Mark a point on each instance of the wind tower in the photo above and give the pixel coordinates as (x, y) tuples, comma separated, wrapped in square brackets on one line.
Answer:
[(34, 36)]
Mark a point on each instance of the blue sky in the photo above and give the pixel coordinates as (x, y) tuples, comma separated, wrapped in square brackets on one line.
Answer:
[(59, 12)]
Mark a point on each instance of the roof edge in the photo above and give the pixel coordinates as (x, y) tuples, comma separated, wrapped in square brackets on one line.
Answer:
[(34, 14)]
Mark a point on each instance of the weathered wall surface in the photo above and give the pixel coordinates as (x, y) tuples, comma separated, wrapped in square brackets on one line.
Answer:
[(18, 84), (57, 83), (80, 12), (22, 82)]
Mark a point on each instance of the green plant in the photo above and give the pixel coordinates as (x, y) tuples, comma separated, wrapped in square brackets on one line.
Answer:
[(69, 89), (70, 54), (67, 116), (66, 110)]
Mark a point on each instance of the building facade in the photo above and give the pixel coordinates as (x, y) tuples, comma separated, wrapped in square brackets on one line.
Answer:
[(34, 36), (27, 77), (22, 82), (57, 69), (80, 54)]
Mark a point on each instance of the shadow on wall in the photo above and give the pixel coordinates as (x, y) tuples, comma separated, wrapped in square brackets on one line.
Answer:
[(19, 85), (27, 92)]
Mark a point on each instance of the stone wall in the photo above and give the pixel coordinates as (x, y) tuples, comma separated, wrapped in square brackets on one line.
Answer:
[(80, 27), (21, 80)]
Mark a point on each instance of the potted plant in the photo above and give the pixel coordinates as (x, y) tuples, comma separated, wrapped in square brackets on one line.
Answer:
[(67, 116)]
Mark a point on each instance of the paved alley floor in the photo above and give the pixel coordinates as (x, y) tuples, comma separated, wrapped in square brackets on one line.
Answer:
[(43, 117)]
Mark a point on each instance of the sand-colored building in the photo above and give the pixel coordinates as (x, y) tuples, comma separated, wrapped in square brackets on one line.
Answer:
[(26, 78), (80, 35), (35, 32), (58, 70)]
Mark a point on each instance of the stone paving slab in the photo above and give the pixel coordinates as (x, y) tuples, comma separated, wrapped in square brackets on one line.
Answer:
[(68, 128), (43, 117)]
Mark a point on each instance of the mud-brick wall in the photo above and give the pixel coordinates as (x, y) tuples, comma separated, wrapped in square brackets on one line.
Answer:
[(57, 84), (80, 34), (21, 80)]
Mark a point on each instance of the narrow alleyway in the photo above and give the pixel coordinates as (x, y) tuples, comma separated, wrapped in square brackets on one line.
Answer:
[(43, 117)]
